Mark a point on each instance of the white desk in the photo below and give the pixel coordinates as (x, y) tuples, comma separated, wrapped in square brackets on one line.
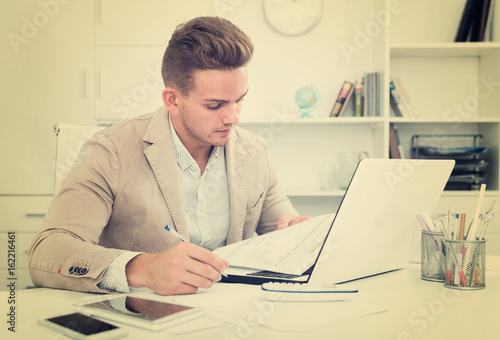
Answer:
[(415, 309)]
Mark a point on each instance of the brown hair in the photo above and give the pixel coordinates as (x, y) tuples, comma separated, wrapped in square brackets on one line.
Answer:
[(200, 44)]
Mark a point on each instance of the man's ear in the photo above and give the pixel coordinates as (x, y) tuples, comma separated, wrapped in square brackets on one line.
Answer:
[(171, 99)]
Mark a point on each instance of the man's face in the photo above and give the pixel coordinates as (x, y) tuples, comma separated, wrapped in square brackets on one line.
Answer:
[(212, 108)]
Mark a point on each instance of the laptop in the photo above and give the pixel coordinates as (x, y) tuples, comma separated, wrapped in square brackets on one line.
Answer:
[(375, 225)]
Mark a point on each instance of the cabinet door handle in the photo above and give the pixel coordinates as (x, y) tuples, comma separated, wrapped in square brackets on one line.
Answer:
[(98, 7), (86, 84), (98, 83), (35, 214)]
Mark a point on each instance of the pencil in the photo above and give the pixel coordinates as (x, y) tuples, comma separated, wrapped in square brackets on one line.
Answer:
[(462, 227)]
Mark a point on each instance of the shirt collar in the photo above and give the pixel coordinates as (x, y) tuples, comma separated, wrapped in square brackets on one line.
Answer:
[(184, 158)]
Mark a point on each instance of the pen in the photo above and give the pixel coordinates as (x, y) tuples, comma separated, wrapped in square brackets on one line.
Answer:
[(182, 239), (488, 215), (460, 271), (445, 230), (455, 226), (475, 222), (426, 228), (450, 232), (428, 221)]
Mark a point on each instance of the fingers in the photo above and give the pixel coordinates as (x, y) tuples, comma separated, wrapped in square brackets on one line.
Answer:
[(202, 275), (298, 219), (205, 257), (285, 220), (184, 268)]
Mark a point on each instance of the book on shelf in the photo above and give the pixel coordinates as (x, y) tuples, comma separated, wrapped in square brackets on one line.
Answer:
[(398, 140), (397, 105), (476, 21), (479, 23), (378, 86), (347, 100), (488, 29), (367, 104), (395, 147), (393, 144), (400, 100), (341, 98), (358, 100), (466, 21), (371, 101)]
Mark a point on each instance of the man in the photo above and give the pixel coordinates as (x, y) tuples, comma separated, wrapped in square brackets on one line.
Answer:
[(186, 165)]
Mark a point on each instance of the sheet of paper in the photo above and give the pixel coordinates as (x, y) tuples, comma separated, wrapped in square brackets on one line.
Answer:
[(292, 250), (297, 316), (201, 324), (231, 300), (243, 305)]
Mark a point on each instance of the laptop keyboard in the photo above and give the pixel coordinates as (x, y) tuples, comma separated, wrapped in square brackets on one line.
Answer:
[(268, 273)]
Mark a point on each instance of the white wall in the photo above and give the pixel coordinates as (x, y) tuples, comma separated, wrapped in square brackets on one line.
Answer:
[(64, 67)]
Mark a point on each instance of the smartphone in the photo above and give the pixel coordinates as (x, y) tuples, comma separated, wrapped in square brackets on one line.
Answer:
[(144, 313), (80, 326)]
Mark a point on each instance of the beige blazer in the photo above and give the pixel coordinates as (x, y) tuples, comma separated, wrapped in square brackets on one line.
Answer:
[(124, 188)]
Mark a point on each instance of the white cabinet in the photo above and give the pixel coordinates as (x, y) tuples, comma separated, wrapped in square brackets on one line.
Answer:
[(47, 76), (128, 81), (143, 23), (47, 67), (130, 39), (21, 219)]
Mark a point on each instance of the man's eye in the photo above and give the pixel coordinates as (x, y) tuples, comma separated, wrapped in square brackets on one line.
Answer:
[(214, 107)]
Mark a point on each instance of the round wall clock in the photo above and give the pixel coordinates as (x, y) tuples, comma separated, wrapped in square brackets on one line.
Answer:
[(292, 17)]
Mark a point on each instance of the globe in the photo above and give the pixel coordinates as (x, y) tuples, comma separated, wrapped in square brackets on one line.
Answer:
[(307, 98)]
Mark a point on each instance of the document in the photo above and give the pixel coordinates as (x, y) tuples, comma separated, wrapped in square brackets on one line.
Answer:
[(291, 250), (239, 304)]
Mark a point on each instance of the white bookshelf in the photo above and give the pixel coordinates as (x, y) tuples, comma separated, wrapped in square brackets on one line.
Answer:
[(119, 49), (451, 49), (439, 75)]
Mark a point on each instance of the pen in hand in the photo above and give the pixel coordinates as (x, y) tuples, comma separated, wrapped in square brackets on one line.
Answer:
[(182, 239)]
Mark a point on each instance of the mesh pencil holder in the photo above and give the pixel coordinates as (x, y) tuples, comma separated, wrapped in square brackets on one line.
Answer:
[(465, 264), (432, 256)]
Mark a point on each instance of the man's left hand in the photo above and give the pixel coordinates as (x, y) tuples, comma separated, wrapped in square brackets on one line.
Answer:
[(285, 220)]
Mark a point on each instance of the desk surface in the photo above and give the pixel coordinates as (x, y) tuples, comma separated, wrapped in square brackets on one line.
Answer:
[(412, 309)]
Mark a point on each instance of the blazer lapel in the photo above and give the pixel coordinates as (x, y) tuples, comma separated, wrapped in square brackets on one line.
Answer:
[(238, 193), (161, 157)]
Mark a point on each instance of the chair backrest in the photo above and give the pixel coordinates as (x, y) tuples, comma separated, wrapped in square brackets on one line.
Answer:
[(70, 139)]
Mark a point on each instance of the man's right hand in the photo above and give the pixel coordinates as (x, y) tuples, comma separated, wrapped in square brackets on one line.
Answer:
[(181, 269)]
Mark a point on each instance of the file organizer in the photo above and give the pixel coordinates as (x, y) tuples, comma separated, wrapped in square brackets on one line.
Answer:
[(467, 150)]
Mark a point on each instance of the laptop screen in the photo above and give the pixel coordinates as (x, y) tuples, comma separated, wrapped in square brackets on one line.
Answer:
[(376, 223)]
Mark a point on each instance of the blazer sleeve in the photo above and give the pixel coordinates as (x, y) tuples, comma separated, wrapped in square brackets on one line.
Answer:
[(275, 202), (65, 253)]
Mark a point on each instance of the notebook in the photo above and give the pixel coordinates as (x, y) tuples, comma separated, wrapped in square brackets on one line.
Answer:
[(374, 227)]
